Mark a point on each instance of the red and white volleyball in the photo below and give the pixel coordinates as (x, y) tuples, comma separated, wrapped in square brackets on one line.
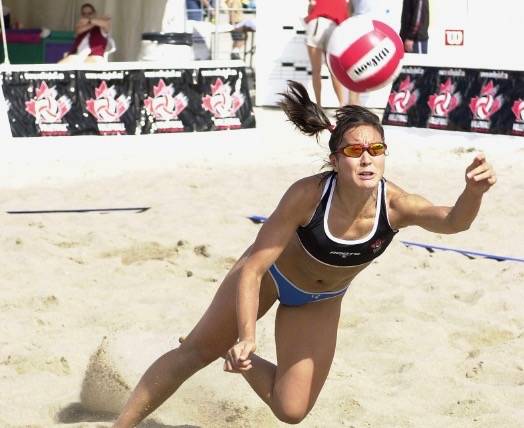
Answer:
[(364, 54)]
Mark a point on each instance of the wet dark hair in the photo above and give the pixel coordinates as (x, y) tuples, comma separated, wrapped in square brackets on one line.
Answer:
[(309, 118), (88, 5)]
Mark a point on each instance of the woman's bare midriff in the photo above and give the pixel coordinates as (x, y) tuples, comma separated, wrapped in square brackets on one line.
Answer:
[(311, 275)]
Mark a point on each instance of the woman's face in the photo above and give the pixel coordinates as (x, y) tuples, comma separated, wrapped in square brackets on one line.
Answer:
[(365, 171), (87, 12)]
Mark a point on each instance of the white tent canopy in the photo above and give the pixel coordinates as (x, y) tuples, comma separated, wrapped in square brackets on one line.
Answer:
[(130, 18)]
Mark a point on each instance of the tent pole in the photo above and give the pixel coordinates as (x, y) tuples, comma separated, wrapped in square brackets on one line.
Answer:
[(4, 39), (215, 37)]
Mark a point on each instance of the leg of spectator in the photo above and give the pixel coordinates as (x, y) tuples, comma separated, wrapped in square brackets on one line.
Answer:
[(316, 56)]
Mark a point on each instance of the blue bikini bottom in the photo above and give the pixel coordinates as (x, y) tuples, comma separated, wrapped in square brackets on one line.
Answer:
[(290, 295)]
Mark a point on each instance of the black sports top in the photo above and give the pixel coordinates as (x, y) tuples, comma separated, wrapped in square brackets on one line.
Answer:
[(326, 248)]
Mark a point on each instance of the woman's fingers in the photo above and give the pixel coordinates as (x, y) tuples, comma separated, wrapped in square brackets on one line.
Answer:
[(479, 170), (245, 352), (242, 366), (237, 359), (483, 176)]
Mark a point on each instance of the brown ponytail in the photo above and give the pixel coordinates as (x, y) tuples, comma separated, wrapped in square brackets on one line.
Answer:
[(306, 115)]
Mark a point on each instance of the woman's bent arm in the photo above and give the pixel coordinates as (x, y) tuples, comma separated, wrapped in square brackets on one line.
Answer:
[(293, 210)]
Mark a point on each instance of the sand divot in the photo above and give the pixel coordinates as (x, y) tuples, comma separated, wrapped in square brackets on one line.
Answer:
[(115, 368), (104, 388)]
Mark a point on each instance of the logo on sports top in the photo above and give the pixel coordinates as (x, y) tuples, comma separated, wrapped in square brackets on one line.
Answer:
[(49, 111), (107, 109), (165, 107), (344, 254), (377, 245), (223, 104), (518, 111), (402, 100), (454, 37), (442, 104), (484, 106)]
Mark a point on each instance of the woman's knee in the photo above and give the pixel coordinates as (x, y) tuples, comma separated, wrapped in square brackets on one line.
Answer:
[(291, 412)]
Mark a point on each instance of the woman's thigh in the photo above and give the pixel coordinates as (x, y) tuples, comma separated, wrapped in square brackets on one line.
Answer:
[(217, 330), (318, 32), (306, 338)]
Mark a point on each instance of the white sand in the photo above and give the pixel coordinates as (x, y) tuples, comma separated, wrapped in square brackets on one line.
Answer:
[(426, 340)]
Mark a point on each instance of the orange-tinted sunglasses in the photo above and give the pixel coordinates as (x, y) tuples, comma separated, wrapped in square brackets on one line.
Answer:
[(356, 150)]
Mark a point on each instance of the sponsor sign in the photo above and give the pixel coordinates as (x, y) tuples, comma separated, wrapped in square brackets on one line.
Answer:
[(109, 101), (40, 103), (126, 102), (489, 101), (454, 37), (224, 96), (166, 101), (406, 102)]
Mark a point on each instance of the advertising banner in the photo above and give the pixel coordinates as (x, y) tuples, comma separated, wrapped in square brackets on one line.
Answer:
[(516, 102), (489, 101), (127, 102), (109, 101), (407, 103), (449, 97), (489, 104), (166, 102), (224, 96), (40, 103)]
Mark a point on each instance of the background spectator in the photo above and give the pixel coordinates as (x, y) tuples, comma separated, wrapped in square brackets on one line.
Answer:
[(7, 16), (92, 36), (414, 25), (197, 9), (323, 17), (236, 16)]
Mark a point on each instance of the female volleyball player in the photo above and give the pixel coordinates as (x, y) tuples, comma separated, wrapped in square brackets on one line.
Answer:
[(326, 229)]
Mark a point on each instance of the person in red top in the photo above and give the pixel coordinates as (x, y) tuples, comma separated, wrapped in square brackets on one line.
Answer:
[(323, 17), (92, 36)]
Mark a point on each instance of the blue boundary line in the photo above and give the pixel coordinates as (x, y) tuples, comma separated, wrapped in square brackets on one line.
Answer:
[(467, 253)]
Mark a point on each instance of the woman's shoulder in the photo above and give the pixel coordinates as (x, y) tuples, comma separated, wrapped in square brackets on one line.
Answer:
[(308, 190), (393, 188), (312, 185), (303, 196), (394, 193)]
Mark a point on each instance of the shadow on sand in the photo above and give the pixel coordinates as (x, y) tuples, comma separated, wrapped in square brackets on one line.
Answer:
[(75, 413)]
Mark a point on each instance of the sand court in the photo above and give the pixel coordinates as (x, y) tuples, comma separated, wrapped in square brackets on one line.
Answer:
[(425, 339)]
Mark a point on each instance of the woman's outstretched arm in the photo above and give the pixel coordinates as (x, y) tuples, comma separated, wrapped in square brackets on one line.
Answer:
[(410, 209)]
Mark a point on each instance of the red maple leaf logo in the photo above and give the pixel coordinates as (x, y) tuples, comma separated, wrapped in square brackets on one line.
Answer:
[(45, 107), (222, 103), (165, 106), (405, 98), (484, 106), (106, 107), (445, 101)]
